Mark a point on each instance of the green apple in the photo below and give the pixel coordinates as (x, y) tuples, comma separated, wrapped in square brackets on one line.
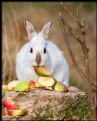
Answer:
[(19, 112), (46, 81), (60, 87), (42, 71), (22, 86)]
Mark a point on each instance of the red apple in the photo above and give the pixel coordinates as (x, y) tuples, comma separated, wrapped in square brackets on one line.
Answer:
[(10, 105), (66, 88), (31, 84)]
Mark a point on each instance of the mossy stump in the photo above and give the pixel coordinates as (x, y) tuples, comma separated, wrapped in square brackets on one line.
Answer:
[(50, 105)]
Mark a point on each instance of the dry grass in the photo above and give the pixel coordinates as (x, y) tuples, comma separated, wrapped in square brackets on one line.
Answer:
[(15, 35)]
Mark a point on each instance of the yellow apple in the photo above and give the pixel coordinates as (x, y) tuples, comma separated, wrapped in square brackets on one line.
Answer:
[(46, 81), (11, 86), (19, 112), (49, 88), (38, 85), (5, 87)]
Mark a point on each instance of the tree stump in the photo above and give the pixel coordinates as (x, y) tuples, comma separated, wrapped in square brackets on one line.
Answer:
[(49, 105)]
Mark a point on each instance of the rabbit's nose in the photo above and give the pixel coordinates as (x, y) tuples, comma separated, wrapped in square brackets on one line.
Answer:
[(38, 58)]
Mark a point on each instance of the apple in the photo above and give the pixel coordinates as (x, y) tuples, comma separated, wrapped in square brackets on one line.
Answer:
[(12, 84), (3, 93), (60, 87), (19, 112), (3, 112), (5, 87), (22, 86), (31, 84), (49, 88), (46, 81), (10, 105), (42, 71), (38, 85)]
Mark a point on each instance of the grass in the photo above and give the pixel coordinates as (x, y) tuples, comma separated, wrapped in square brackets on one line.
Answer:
[(79, 84)]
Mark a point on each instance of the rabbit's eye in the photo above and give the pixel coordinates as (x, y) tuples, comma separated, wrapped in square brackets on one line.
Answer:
[(44, 50), (31, 50)]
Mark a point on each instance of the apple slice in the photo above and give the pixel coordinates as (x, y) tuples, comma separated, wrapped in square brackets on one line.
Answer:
[(19, 112), (60, 87), (46, 81), (5, 87), (38, 85), (42, 71), (31, 84), (3, 93), (12, 85), (3, 112), (22, 86), (10, 105), (49, 88)]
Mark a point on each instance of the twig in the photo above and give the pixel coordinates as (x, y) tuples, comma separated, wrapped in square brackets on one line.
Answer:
[(61, 3), (72, 56)]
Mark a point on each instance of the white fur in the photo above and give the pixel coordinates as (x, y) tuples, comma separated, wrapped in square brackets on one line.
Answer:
[(53, 59)]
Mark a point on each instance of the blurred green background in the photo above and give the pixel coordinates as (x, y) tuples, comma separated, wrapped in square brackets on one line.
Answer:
[(39, 13)]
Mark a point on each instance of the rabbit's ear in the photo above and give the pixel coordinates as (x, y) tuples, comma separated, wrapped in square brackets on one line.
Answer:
[(45, 30), (30, 29)]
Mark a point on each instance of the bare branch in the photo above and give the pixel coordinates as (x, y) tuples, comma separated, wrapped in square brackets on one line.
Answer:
[(72, 56), (61, 3), (70, 29), (81, 39)]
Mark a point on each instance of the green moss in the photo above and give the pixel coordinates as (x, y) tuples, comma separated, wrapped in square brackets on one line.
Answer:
[(80, 112)]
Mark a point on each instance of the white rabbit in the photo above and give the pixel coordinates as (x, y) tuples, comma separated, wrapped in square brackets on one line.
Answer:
[(40, 51)]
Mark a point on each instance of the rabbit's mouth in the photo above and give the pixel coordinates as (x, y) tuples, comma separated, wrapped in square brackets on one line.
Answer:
[(38, 66)]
